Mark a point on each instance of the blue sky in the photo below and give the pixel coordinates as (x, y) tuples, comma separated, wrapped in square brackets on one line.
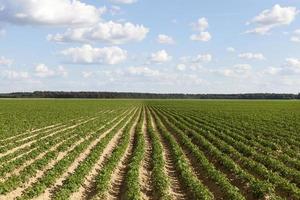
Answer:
[(150, 46)]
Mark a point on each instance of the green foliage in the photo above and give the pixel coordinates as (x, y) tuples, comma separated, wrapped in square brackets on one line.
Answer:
[(247, 149)]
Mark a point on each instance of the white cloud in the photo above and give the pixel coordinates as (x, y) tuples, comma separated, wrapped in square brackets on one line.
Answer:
[(160, 56), (290, 67), (46, 12), (139, 77), (237, 71), (143, 71), (271, 18), (181, 79), (201, 24), (296, 36), (202, 36), (43, 71), (242, 67), (106, 32), (230, 49), (181, 67), (293, 64), (14, 75), (203, 58), (114, 75), (89, 55), (87, 74), (5, 61), (206, 57), (252, 56), (61, 71), (271, 71), (165, 39), (193, 63), (124, 1), (115, 10)]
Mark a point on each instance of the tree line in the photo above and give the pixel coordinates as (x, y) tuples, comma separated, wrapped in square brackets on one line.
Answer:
[(133, 95)]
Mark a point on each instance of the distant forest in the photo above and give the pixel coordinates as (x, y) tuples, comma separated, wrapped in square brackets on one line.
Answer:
[(132, 95)]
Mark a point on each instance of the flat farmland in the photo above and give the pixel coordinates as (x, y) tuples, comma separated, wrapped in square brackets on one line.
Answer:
[(149, 149)]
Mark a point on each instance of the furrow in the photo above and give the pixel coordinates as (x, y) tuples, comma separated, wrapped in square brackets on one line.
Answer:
[(146, 168), (176, 188)]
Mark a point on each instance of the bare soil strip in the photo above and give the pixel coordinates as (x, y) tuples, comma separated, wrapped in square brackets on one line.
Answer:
[(29, 131), (118, 176), (234, 180), (202, 175), (61, 130), (22, 154), (50, 127), (35, 134), (48, 193), (88, 188), (145, 169), (18, 192), (176, 188), (29, 162), (31, 149), (197, 170)]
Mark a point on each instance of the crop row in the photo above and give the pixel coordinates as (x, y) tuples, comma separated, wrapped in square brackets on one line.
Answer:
[(159, 178), (197, 189), (230, 191), (132, 185), (103, 178), (51, 175), (222, 142), (16, 180)]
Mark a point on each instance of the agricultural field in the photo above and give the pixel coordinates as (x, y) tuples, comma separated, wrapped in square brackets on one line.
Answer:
[(149, 149)]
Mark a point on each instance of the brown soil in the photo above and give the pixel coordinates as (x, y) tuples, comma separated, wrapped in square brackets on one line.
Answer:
[(145, 170), (176, 188)]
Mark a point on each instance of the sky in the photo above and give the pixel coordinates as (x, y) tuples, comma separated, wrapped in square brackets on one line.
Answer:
[(178, 46)]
